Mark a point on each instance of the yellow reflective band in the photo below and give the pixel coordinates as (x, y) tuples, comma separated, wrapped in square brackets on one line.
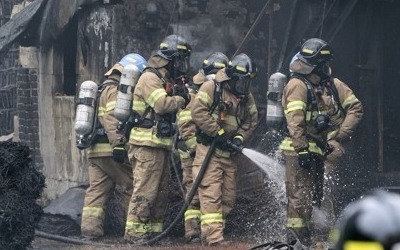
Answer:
[(349, 101), (184, 154), (362, 245), (141, 134), (308, 51), (240, 68), (156, 227), (295, 105), (325, 52), (211, 218), (110, 106), (222, 153), (334, 235), (101, 111), (139, 106), (180, 46), (218, 64), (137, 227), (163, 45), (184, 115), (97, 212), (204, 97), (287, 145), (192, 214), (155, 95), (221, 131), (239, 137), (295, 222), (100, 148)]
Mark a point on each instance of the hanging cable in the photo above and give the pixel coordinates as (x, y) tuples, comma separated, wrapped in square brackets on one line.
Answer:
[(323, 20)]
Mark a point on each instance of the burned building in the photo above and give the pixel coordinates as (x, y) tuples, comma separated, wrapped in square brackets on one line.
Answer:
[(49, 47)]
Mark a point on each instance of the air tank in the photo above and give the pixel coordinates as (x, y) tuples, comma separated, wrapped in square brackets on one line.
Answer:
[(275, 115), (123, 106), (86, 108)]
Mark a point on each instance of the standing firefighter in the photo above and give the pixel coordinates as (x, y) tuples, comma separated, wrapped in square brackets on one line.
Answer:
[(311, 99), (107, 155), (158, 95), (224, 109), (187, 141)]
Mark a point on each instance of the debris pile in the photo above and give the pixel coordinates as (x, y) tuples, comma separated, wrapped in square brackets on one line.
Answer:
[(21, 184)]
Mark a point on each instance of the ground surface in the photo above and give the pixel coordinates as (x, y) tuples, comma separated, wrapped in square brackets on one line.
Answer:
[(116, 243)]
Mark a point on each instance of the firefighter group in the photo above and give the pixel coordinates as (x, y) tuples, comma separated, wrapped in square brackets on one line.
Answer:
[(130, 124)]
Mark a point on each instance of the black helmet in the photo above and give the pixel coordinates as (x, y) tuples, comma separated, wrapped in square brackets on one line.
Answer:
[(241, 66), (174, 46), (370, 223), (315, 52), (214, 62), (241, 70)]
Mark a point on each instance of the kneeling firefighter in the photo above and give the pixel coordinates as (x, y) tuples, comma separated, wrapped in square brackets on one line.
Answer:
[(187, 141), (108, 161), (224, 109), (159, 94), (311, 101)]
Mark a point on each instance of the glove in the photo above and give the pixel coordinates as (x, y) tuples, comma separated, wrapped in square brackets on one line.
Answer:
[(119, 154), (305, 159), (221, 138), (185, 96)]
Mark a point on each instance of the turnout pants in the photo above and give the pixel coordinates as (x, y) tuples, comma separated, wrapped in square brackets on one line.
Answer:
[(192, 213), (217, 193), (104, 174), (149, 198), (304, 188)]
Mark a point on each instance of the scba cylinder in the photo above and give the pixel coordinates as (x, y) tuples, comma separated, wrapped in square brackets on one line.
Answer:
[(86, 108), (275, 115), (123, 105)]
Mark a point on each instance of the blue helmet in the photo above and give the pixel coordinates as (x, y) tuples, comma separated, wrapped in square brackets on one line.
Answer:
[(134, 59)]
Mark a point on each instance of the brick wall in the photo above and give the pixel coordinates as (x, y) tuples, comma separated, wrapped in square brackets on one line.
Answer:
[(27, 110)]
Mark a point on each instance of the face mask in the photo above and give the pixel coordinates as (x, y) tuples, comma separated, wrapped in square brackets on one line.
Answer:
[(323, 71), (181, 65), (242, 86)]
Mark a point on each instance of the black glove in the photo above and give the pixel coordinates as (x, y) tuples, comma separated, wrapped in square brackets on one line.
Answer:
[(305, 159), (185, 96), (119, 154), (221, 138)]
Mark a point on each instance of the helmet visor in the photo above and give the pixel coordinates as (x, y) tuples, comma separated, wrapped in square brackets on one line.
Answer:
[(181, 65)]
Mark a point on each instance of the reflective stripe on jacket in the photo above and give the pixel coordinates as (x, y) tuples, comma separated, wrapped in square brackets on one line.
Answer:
[(149, 92)]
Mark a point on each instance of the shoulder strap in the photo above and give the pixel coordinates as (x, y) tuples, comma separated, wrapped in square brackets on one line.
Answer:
[(217, 96), (335, 95), (155, 71), (311, 99)]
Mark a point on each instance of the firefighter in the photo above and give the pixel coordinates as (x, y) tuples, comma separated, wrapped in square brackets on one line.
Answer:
[(187, 142), (158, 95), (224, 109), (373, 222), (108, 161), (311, 102)]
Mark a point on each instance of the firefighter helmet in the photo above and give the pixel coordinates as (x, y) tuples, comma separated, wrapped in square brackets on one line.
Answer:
[(214, 62), (370, 223), (174, 46), (134, 59), (315, 52), (241, 70)]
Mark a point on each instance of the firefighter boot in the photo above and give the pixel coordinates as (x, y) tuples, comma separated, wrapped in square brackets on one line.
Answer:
[(92, 227), (192, 230)]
